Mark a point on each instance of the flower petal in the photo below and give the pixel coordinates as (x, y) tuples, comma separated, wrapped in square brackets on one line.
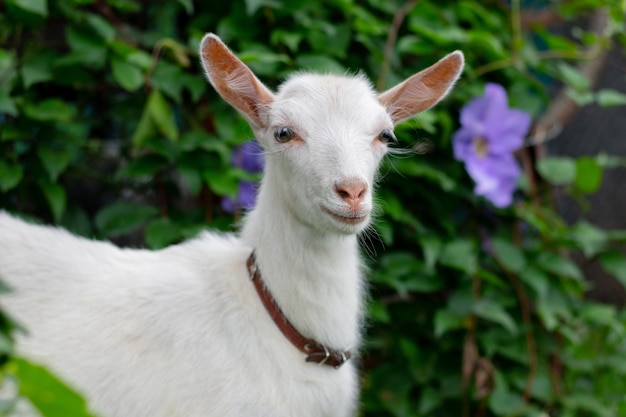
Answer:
[(247, 194), (228, 205), (253, 160), (497, 105), (249, 156), (495, 178), (508, 134), (502, 196), (473, 115), (463, 144)]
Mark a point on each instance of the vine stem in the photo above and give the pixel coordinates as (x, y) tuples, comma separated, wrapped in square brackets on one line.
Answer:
[(516, 28), (206, 196), (544, 55), (108, 13), (470, 351), (398, 18), (531, 345)]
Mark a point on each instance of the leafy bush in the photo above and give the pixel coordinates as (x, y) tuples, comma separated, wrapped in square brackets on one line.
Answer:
[(109, 128)]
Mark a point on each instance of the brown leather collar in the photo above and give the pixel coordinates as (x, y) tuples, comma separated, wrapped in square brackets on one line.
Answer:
[(315, 351)]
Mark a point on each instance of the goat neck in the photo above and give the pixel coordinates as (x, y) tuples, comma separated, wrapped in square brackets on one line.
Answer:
[(313, 275)]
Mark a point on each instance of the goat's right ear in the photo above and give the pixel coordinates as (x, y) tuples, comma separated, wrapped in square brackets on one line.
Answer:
[(235, 81), (424, 89)]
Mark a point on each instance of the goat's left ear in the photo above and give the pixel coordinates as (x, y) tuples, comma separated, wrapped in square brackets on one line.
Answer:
[(424, 89), (235, 81)]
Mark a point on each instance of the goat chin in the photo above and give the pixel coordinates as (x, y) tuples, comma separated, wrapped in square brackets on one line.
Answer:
[(182, 331)]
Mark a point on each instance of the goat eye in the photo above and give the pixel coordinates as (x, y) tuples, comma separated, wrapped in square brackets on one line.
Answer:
[(284, 134), (387, 136)]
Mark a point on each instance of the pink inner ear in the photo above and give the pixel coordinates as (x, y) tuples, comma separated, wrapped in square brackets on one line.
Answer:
[(234, 81), (422, 90)]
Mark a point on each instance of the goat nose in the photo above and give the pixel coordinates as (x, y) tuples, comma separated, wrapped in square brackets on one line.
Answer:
[(351, 191)]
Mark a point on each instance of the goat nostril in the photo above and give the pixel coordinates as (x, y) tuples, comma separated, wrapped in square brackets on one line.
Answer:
[(343, 194), (351, 191)]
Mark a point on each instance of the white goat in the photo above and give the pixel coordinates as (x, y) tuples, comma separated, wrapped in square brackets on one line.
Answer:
[(184, 331)]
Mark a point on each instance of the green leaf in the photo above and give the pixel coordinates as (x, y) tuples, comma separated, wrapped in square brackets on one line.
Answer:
[(187, 4), (123, 217), (6, 344), (145, 129), (195, 85), (574, 77), (503, 401), (430, 399), (169, 79), (553, 308), (6, 104), (52, 109), (559, 265), (76, 220), (127, 75), (157, 116), (222, 182), (11, 174), (178, 51), (38, 69), (39, 7), (610, 98), (192, 178), (8, 70), (603, 314), (161, 233), (290, 39), (614, 262), (460, 254), (49, 395), (420, 169), (87, 47), (431, 246), (253, 5), (319, 63), (405, 273), (588, 174), (195, 140), (102, 26), (509, 255), (54, 160), (581, 98), (140, 58), (490, 310), (162, 115), (446, 320), (557, 170), (537, 280), (589, 238), (378, 311), (55, 196), (145, 165), (585, 404)]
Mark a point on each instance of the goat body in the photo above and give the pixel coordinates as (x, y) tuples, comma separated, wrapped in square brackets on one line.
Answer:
[(182, 331)]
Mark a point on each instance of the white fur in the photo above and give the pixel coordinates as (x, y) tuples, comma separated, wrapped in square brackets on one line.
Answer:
[(181, 331)]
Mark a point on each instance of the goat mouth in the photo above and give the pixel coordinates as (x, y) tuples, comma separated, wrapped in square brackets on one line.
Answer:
[(349, 218)]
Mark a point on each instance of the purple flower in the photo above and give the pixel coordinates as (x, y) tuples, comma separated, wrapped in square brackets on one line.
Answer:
[(246, 197), (490, 132), (249, 157)]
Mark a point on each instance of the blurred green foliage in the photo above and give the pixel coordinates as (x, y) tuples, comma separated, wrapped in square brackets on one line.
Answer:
[(108, 128)]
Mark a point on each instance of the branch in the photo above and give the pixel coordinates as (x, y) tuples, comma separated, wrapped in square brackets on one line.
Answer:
[(531, 345), (398, 18), (543, 17), (108, 13), (563, 109)]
